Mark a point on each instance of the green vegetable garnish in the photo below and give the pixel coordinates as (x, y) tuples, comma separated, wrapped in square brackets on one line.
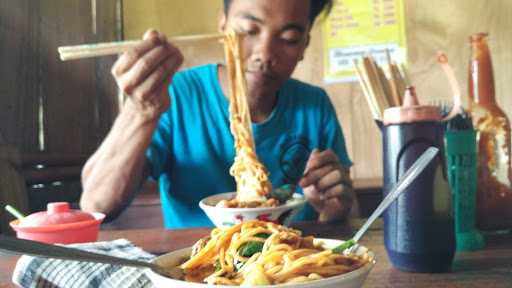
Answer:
[(217, 266), (250, 248), (344, 246), (283, 193), (262, 235)]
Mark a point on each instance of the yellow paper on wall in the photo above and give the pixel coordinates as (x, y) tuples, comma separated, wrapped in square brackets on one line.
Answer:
[(356, 28)]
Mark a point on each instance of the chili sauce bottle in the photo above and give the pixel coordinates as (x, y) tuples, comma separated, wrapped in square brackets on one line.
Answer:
[(494, 193)]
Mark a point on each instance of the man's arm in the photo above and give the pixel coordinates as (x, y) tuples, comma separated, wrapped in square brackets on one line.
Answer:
[(116, 170)]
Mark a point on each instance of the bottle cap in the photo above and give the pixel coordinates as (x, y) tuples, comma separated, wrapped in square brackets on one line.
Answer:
[(411, 111)]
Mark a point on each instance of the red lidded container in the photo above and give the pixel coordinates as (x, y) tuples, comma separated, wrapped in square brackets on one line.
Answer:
[(59, 224)]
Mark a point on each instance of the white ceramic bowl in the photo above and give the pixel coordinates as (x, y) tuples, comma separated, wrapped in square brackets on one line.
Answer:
[(352, 279), (227, 217)]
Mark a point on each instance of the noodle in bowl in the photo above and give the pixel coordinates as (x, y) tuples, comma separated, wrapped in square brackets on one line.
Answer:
[(226, 217), (353, 279)]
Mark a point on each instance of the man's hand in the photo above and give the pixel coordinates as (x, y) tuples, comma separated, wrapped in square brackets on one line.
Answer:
[(144, 73), (327, 186)]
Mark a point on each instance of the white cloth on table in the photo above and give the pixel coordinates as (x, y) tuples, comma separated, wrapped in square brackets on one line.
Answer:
[(45, 272)]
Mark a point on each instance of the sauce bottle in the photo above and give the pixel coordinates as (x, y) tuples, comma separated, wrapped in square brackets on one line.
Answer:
[(494, 193)]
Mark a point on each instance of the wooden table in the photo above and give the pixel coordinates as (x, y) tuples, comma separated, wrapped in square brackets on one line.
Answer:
[(488, 268)]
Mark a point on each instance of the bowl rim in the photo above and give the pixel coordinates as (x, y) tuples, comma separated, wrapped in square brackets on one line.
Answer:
[(98, 218), (299, 200), (365, 269)]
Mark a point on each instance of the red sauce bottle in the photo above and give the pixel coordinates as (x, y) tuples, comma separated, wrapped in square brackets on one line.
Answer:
[(494, 193)]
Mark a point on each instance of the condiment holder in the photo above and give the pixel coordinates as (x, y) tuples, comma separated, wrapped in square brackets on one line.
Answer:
[(59, 224), (418, 227)]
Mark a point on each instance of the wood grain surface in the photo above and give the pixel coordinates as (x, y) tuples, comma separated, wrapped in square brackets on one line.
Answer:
[(490, 267)]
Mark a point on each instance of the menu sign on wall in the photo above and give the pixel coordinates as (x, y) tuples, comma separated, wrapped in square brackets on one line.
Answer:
[(356, 28)]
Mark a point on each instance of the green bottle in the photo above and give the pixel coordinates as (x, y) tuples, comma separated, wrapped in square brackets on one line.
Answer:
[(461, 157)]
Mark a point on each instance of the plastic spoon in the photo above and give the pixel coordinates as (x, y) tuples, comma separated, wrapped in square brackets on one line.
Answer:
[(410, 175), (28, 247)]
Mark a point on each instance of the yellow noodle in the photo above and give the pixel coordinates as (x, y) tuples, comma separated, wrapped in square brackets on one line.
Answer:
[(281, 261), (250, 175)]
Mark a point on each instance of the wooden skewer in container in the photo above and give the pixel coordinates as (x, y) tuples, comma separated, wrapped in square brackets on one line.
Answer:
[(397, 86), (368, 90)]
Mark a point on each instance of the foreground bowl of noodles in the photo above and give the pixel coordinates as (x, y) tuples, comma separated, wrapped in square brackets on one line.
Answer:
[(223, 216), (284, 258)]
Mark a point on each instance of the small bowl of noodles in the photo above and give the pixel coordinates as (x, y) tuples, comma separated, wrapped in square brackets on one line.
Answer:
[(225, 211), (264, 254)]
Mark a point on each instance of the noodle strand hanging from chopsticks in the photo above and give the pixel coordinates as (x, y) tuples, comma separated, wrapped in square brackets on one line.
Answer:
[(250, 175)]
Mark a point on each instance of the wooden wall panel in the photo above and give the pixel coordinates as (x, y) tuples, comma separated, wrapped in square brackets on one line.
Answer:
[(361, 134), (78, 94), (66, 86), (106, 104), (175, 19), (77, 97), (18, 94), (431, 26), (447, 25), (171, 17)]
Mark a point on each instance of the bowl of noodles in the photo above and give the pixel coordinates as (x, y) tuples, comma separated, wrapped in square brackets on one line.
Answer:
[(264, 254), (224, 211)]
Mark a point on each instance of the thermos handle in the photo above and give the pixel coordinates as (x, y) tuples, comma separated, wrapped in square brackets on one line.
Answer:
[(427, 143)]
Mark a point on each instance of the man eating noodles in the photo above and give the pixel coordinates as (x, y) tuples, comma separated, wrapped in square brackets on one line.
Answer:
[(174, 126)]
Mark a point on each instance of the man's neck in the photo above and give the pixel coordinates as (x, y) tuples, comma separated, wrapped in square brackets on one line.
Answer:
[(261, 105)]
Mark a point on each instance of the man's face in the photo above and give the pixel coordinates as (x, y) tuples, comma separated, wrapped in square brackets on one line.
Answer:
[(277, 33)]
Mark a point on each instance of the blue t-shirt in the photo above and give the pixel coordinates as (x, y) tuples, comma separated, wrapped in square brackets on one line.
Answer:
[(192, 148)]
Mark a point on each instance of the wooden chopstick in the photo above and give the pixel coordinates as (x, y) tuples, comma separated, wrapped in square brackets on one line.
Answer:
[(112, 48), (386, 87), (399, 81), (394, 80), (370, 98), (379, 91), (375, 83)]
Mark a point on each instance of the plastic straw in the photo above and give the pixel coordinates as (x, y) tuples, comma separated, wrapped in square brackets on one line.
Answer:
[(14, 212)]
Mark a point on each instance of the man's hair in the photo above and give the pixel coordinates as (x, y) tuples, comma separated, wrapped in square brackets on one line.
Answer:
[(317, 6)]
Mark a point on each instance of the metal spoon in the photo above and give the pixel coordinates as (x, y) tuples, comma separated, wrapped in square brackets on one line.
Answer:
[(407, 178), (33, 248)]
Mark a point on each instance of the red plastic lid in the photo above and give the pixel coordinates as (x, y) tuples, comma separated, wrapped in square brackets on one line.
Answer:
[(57, 213), (411, 110)]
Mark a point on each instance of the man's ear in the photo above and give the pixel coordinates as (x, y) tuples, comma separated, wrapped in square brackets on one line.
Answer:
[(222, 23)]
